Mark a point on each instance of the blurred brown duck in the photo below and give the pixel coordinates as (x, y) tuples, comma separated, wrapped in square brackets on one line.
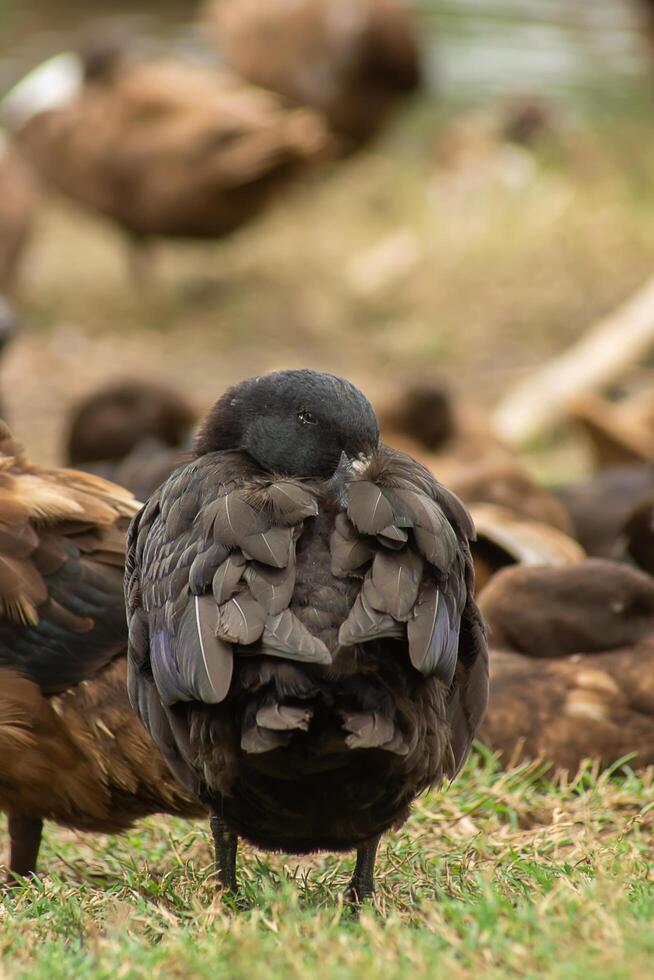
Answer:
[(17, 203), (509, 485), (517, 520), (133, 432), (161, 148), (572, 664), (619, 433), (423, 418), (505, 538), (351, 60), (71, 749), (645, 9)]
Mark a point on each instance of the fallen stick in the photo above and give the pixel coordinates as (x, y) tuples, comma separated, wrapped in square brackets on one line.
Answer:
[(599, 356)]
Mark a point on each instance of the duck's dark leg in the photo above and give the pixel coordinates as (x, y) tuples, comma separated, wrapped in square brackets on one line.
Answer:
[(362, 885), (25, 841), (225, 843)]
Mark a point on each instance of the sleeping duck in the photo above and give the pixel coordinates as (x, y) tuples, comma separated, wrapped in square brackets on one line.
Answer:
[(111, 421), (424, 418), (350, 60), (162, 148), (572, 664), (305, 647), (132, 431)]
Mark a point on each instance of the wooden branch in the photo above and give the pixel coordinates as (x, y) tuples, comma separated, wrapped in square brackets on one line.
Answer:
[(601, 355)]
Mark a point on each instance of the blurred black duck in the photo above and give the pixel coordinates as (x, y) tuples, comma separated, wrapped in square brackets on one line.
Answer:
[(600, 505), (305, 648)]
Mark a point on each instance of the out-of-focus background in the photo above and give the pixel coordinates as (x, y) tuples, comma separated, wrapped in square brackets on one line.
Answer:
[(501, 216), (445, 244)]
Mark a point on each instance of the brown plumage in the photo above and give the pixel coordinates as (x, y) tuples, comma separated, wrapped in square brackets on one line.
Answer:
[(351, 60), (133, 432), (304, 643), (144, 469), (71, 750), (506, 538), (518, 520), (169, 149), (619, 433), (507, 484), (111, 422), (572, 664), (425, 420)]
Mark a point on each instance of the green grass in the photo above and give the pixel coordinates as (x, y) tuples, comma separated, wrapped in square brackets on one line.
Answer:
[(503, 875)]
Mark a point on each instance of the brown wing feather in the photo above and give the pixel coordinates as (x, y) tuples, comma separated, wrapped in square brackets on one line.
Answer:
[(61, 560)]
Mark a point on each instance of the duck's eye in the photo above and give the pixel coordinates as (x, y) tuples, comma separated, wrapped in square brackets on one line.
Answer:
[(306, 418)]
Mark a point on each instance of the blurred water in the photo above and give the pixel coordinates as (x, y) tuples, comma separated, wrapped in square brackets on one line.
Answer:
[(589, 51)]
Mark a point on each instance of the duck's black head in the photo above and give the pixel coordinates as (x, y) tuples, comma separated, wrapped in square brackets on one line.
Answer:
[(299, 423)]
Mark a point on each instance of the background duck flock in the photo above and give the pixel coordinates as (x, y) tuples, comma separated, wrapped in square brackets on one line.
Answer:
[(327, 488)]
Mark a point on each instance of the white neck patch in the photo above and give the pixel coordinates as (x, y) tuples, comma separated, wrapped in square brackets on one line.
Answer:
[(51, 85), (359, 465)]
